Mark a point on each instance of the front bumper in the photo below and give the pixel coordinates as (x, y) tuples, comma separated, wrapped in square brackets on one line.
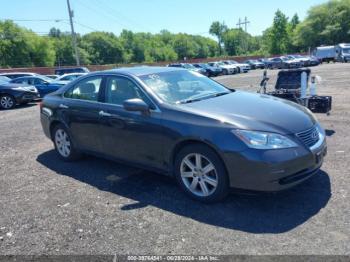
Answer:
[(273, 170)]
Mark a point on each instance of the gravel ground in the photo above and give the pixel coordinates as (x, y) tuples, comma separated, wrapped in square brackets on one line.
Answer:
[(95, 206)]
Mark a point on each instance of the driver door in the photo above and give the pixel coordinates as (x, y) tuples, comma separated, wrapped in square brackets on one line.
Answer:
[(131, 136)]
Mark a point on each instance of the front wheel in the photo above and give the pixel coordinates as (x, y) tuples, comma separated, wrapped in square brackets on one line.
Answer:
[(63, 144), (201, 173), (7, 102)]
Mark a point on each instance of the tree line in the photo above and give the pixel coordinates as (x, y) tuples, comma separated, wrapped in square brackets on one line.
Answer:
[(327, 23)]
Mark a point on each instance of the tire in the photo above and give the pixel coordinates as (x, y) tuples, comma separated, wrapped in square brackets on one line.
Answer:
[(7, 102), (204, 186), (238, 70), (63, 144)]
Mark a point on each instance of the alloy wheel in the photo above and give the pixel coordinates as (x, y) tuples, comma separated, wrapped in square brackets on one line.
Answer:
[(62, 143), (199, 175), (7, 102)]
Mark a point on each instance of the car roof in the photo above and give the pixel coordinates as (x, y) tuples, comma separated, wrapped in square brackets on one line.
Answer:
[(19, 73), (143, 70), (72, 74)]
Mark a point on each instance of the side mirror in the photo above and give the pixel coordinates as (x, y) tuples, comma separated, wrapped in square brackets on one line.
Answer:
[(136, 104)]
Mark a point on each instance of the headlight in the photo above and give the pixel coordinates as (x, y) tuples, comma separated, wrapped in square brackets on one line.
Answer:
[(264, 140)]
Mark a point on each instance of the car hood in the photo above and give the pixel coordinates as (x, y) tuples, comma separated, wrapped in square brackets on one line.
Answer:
[(240, 64), (59, 82), (244, 110), (228, 66)]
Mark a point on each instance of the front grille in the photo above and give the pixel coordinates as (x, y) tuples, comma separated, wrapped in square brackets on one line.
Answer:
[(309, 137)]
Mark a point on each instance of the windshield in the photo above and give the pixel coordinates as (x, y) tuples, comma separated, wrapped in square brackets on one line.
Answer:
[(4, 79), (68, 77), (233, 62), (346, 51), (183, 86), (45, 78)]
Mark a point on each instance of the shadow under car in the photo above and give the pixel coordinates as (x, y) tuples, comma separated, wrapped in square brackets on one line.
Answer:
[(258, 213)]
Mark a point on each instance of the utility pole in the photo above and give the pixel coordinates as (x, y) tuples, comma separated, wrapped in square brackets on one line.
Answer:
[(74, 37), (245, 23)]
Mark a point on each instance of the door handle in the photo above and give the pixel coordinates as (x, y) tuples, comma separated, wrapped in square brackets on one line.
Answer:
[(63, 106), (102, 113)]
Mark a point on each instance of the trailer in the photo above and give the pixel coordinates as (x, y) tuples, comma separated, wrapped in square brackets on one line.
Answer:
[(325, 53)]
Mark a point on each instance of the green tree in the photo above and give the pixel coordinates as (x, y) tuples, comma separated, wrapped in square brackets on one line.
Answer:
[(325, 24), (277, 37), (104, 48), (218, 29), (20, 47)]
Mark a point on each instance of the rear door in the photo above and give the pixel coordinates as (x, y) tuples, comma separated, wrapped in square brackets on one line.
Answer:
[(80, 109), (132, 136)]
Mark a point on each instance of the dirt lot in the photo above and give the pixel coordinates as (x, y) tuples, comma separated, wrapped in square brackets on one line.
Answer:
[(95, 206)]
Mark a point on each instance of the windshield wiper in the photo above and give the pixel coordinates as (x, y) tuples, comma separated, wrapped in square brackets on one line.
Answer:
[(190, 100)]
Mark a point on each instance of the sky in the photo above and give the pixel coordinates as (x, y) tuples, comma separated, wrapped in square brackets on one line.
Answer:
[(186, 16)]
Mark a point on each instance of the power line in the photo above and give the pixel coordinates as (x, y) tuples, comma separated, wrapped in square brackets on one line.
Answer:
[(245, 23), (34, 20), (102, 14), (114, 12), (86, 26)]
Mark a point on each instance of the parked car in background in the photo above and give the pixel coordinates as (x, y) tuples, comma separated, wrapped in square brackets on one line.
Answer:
[(255, 64), (282, 63), (52, 76), (210, 138), (265, 61), (226, 69), (210, 70), (66, 78), (41, 83), (325, 53), (242, 67), (303, 60), (189, 67), (13, 94), (14, 75), (4, 79), (342, 53), (69, 70), (314, 61)]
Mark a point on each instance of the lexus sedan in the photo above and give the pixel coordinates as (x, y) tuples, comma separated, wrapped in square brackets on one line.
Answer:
[(183, 124)]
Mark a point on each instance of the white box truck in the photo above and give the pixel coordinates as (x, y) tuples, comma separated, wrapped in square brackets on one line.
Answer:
[(325, 53), (342, 53)]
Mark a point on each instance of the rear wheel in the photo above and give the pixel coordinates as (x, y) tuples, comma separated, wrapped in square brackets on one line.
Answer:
[(7, 102), (201, 173), (63, 144)]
